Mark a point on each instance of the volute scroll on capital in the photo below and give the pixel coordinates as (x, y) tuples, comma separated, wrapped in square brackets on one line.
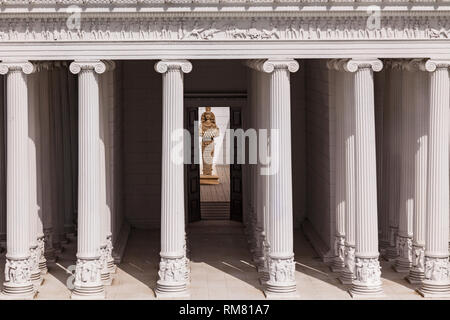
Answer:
[(353, 65), (432, 64), (24, 66), (290, 64), (96, 65), (164, 65), (269, 65)]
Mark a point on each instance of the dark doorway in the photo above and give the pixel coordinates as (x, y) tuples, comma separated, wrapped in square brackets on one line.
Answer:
[(198, 206)]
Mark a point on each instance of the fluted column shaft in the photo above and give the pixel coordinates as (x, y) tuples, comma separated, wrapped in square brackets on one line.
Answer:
[(2, 164), (387, 156), (421, 108), (367, 273), (46, 165), (395, 98), (17, 268), (350, 215), (404, 239), (172, 267), (67, 154), (87, 279), (105, 182), (338, 264), (280, 258), (108, 133), (35, 187), (261, 183), (437, 282)]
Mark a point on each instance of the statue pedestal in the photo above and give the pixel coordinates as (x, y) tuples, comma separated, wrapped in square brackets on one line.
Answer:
[(212, 179)]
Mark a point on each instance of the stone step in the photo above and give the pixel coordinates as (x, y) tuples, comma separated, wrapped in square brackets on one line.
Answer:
[(215, 210)]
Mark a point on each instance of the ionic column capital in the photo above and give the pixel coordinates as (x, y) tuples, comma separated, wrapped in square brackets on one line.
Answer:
[(269, 65), (94, 65), (165, 65), (354, 65), (432, 64), (24, 66)]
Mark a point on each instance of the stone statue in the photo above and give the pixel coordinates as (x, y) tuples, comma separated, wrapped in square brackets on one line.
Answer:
[(208, 132)]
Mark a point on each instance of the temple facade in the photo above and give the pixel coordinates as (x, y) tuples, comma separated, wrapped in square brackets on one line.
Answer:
[(354, 98)]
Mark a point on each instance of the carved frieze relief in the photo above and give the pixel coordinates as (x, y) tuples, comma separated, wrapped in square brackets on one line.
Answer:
[(150, 28)]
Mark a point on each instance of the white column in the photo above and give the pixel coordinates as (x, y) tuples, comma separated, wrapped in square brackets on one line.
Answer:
[(17, 267), (56, 159), (66, 154), (2, 165), (338, 264), (280, 236), (387, 156), (379, 81), (348, 274), (404, 238), (104, 209), (73, 114), (46, 163), (108, 139), (255, 220), (395, 98), (437, 282), (34, 181), (172, 268), (367, 267), (88, 282), (261, 88), (421, 109)]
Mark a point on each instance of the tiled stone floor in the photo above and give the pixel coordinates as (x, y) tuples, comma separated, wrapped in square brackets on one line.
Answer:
[(221, 268)]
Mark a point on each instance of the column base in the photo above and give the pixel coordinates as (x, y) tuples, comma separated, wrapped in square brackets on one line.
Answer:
[(112, 267), (20, 292), (38, 283), (346, 277), (280, 291), (165, 289), (402, 265), (88, 293), (362, 290), (36, 278), (415, 276), (43, 266), (337, 265), (106, 278), (432, 290)]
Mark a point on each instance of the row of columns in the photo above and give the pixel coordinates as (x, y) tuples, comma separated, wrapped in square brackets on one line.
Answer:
[(271, 203), (41, 122), (415, 200)]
